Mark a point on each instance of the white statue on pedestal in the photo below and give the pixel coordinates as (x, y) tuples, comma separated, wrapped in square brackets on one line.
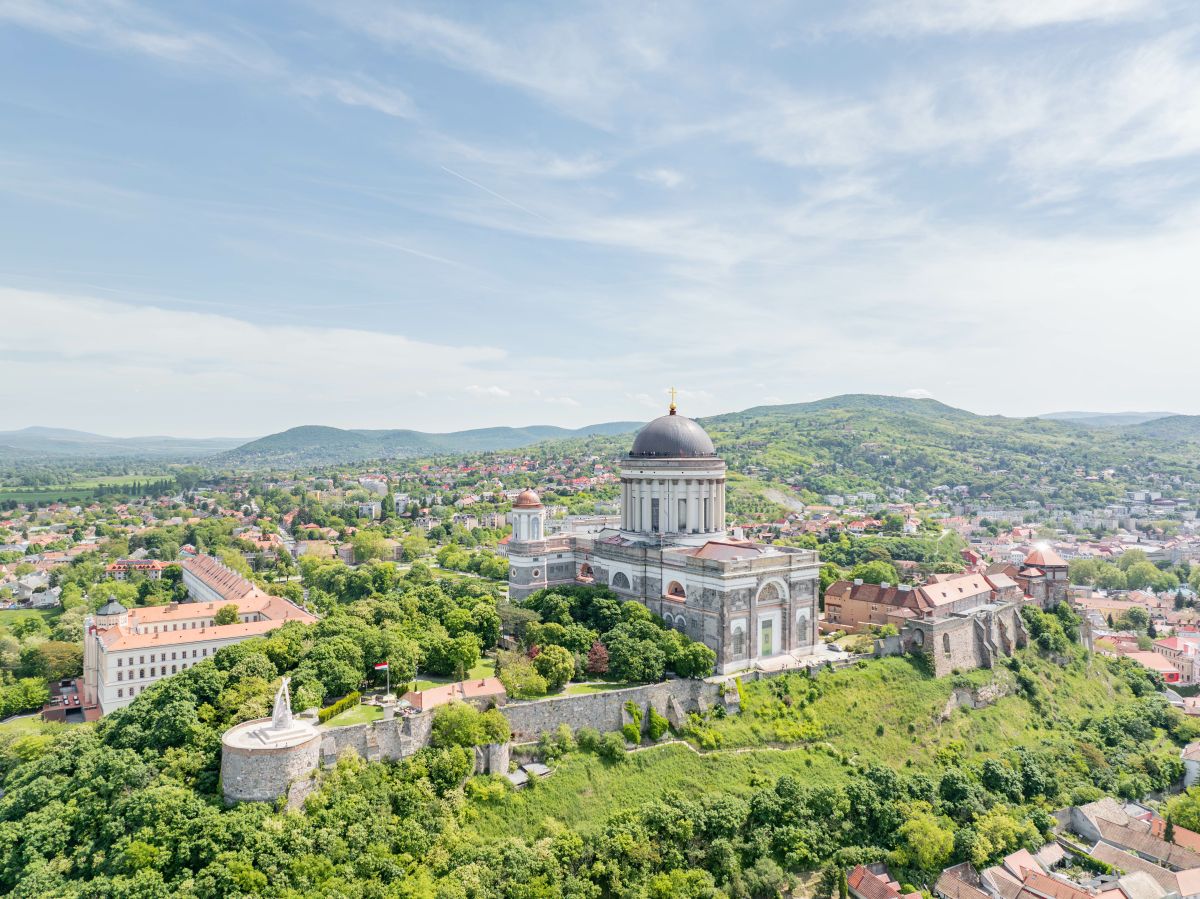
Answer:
[(281, 716), (283, 726)]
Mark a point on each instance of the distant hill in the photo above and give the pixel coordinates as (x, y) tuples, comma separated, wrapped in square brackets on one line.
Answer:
[(62, 442), (879, 444), (1105, 419), (318, 444), (1171, 427)]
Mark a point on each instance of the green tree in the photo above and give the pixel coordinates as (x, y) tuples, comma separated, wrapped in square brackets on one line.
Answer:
[(876, 572), (371, 544), (227, 614), (556, 665)]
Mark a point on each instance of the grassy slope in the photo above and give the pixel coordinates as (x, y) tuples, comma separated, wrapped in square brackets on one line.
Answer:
[(9, 617), (583, 791)]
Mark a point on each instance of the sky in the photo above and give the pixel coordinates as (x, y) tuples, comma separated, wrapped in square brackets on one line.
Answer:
[(229, 218)]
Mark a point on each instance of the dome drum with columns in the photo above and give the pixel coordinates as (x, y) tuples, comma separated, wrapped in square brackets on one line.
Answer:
[(749, 602)]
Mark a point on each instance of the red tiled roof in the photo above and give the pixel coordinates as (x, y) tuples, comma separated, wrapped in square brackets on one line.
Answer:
[(1043, 556)]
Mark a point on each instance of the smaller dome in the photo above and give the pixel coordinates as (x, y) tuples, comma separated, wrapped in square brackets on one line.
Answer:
[(527, 499), (112, 607)]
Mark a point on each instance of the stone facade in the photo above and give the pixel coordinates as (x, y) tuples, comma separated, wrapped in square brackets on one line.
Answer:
[(264, 774), (977, 639), (746, 601)]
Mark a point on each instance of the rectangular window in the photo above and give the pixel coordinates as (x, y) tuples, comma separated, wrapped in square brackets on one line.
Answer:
[(120, 694), (120, 675), (118, 663), (767, 630)]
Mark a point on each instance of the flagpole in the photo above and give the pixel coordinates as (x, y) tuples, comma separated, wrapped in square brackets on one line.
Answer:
[(389, 682)]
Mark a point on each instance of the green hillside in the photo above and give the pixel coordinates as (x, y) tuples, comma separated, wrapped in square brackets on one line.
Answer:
[(317, 444), (856, 443), (821, 731)]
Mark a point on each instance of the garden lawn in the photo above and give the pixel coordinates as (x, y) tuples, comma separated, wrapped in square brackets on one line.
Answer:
[(485, 667), (360, 714), (9, 617), (576, 689), (27, 725)]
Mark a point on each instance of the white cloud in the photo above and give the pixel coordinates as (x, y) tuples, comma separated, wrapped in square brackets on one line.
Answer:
[(947, 16), (490, 391), (359, 91), (126, 27), (918, 393), (585, 64), (668, 178), (204, 373)]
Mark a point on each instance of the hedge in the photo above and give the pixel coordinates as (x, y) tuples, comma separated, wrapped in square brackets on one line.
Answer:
[(348, 701)]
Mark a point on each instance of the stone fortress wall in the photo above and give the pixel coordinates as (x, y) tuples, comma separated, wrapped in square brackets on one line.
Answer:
[(267, 774)]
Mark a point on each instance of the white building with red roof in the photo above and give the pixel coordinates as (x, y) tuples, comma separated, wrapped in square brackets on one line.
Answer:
[(127, 650)]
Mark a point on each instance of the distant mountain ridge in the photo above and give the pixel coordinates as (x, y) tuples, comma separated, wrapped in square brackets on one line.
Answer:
[(1106, 419), (320, 444), (64, 442)]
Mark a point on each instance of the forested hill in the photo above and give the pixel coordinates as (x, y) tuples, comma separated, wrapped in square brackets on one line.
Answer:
[(861, 442), (317, 445), (838, 445)]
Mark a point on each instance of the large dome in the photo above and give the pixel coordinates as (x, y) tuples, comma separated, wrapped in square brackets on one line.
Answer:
[(672, 437)]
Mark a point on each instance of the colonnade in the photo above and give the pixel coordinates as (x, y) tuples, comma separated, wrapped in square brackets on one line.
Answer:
[(685, 505)]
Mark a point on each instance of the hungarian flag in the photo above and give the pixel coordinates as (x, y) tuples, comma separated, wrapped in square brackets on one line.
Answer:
[(382, 666)]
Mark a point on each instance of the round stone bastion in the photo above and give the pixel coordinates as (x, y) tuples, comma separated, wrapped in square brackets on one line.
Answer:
[(258, 763)]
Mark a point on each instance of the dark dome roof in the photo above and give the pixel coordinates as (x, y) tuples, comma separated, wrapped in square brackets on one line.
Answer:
[(112, 607), (672, 437)]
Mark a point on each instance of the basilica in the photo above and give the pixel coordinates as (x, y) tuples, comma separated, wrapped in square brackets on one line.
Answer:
[(752, 603)]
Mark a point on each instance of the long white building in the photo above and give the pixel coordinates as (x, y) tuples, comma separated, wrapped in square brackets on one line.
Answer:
[(127, 650)]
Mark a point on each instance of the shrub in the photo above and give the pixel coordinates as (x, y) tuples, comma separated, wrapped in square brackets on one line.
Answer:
[(346, 702), (658, 725), (631, 733), (588, 739), (488, 788), (557, 744), (612, 747)]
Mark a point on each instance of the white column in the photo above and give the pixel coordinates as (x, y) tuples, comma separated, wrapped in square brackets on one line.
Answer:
[(708, 509), (693, 493), (720, 505), (646, 497)]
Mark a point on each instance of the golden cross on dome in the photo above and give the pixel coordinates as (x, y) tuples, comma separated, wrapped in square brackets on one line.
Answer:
[(673, 400)]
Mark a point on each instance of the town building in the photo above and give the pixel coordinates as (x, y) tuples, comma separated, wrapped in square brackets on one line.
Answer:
[(753, 603), (121, 569), (127, 650)]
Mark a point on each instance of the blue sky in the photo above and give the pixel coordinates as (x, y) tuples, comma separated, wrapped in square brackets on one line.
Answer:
[(232, 218)]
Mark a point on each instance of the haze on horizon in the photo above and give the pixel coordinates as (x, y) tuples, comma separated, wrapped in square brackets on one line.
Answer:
[(224, 220)]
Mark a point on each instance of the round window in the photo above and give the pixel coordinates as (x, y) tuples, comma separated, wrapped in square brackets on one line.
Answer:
[(536, 573)]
